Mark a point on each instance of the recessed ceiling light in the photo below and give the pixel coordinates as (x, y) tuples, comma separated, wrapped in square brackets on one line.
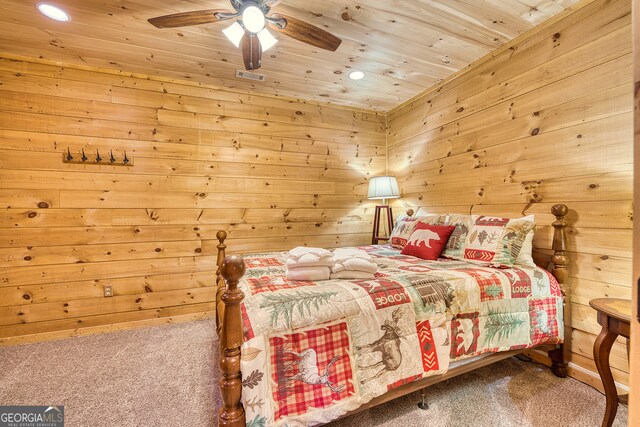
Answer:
[(53, 12), (356, 75)]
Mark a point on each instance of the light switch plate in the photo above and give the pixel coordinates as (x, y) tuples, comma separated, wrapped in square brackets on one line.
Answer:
[(108, 291)]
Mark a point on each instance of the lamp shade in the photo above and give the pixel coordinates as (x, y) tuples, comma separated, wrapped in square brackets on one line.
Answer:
[(383, 187)]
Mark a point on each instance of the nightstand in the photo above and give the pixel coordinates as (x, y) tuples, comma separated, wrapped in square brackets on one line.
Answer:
[(614, 315)]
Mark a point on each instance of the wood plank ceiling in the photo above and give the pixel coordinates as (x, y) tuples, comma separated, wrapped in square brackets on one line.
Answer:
[(403, 46)]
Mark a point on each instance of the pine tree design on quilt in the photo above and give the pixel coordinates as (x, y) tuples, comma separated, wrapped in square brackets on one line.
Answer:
[(500, 325), (263, 272), (494, 291), (284, 305), (258, 421)]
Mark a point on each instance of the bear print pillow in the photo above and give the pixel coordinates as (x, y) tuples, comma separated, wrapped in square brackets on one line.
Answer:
[(427, 241)]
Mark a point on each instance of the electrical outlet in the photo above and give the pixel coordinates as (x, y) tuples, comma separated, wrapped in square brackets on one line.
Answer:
[(108, 291)]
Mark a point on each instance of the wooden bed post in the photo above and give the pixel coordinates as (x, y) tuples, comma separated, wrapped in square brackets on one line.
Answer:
[(220, 286), (560, 356), (232, 412)]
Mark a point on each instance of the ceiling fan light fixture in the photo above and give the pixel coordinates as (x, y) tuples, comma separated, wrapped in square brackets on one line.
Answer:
[(267, 41), (253, 19), (53, 12), (234, 33), (356, 75)]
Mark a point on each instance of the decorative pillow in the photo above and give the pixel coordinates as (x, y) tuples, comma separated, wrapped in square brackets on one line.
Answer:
[(404, 228), (526, 253), (496, 241), (455, 245), (428, 241)]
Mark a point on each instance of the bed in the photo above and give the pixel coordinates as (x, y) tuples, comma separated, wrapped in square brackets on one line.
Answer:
[(307, 353)]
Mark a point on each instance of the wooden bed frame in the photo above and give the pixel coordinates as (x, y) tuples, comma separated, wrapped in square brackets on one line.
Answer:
[(230, 330)]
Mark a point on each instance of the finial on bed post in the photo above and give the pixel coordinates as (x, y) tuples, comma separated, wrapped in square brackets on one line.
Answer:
[(221, 236), (560, 357), (559, 247), (410, 212), (232, 412)]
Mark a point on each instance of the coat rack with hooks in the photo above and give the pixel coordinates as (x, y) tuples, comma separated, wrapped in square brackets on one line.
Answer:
[(96, 158)]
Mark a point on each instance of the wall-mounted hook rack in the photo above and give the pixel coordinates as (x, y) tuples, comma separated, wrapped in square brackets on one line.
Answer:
[(82, 159)]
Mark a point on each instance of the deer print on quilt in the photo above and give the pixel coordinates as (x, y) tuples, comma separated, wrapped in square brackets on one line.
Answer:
[(314, 351)]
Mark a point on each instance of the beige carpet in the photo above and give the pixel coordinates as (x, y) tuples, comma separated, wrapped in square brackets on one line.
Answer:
[(164, 376)]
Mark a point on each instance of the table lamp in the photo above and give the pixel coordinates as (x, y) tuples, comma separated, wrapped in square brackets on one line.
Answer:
[(382, 188)]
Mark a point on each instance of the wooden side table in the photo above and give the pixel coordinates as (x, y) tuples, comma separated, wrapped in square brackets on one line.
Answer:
[(614, 315)]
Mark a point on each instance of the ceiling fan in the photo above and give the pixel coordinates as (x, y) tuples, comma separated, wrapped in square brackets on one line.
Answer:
[(250, 28)]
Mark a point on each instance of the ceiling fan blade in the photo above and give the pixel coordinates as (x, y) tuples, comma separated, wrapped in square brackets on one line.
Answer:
[(186, 19), (305, 32), (251, 52)]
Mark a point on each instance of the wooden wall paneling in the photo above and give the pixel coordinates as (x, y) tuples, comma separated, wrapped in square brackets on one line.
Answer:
[(88, 307), (470, 133), (580, 60), (56, 292), (14, 140), (190, 96), (272, 172), (176, 166), (518, 55), (32, 332), (60, 273), (546, 120), (634, 406), (243, 216), (15, 257)]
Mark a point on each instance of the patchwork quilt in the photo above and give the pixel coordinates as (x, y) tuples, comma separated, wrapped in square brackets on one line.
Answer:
[(315, 350)]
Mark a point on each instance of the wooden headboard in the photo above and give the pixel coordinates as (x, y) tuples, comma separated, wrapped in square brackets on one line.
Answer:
[(557, 265)]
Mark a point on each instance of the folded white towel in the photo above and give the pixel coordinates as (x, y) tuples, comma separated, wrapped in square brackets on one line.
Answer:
[(310, 260), (308, 273), (355, 264), (296, 253), (341, 254), (346, 274)]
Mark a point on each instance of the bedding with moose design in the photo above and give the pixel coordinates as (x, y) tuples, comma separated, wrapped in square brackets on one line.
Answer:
[(315, 350)]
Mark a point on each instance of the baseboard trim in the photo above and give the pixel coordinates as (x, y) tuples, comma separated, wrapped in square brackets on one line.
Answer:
[(596, 376), (116, 327), (578, 372)]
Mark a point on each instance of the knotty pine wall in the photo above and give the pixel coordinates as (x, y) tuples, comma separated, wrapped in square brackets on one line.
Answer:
[(272, 172), (547, 119), (634, 407)]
